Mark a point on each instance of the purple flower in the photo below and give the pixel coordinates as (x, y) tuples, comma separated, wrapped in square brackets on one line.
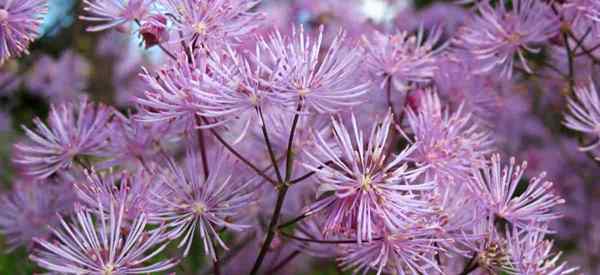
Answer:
[(532, 255), (478, 94), (49, 77), (303, 75), (496, 188), (106, 246), (234, 90), (212, 22), (27, 211), (488, 248), (20, 21), (498, 34), (450, 144), (369, 188), (114, 13), (192, 204), (584, 113), (582, 14), (401, 58), (409, 251), (131, 142), (73, 130), (171, 96), (133, 191)]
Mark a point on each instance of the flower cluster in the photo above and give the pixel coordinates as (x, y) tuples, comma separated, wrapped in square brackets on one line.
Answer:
[(249, 134)]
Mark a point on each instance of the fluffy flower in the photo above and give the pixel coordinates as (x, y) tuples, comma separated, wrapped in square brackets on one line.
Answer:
[(582, 14), (49, 77), (410, 251), (496, 188), (171, 96), (213, 22), (19, 24), (498, 34), (584, 113), (324, 83), (27, 211), (134, 191), (369, 188), (450, 144), (531, 254), (73, 130), (401, 58), (193, 204), (234, 90), (131, 142), (106, 246), (114, 13)]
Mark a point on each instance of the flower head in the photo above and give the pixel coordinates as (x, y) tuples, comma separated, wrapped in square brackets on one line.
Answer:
[(19, 24), (114, 13), (213, 22), (134, 191), (496, 188), (49, 77), (193, 203), (410, 251), (73, 130), (402, 57), (99, 243), (450, 144), (370, 188), (27, 211), (584, 113), (321, 80), (171, 96), (531, 254), (499, 33)]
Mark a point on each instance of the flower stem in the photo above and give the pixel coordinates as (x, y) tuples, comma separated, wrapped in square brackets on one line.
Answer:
[(283, 188)]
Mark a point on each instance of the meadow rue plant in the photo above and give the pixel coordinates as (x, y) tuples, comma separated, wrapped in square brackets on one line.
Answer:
[(299, 137)]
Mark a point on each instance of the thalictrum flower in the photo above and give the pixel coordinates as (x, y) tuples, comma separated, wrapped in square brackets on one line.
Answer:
[(450, 144), (499, 33), (27, 211), (401, 58), (409, 251), (113, 13), (99, 243), (212, 22), (496, 188), (193, 204), (531, 254), (73, 129), (369, 187), (20, 21), (321, 80), (584, 113)]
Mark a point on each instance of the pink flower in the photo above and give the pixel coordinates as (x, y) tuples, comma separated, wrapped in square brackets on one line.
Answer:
[(72, 131), (321, 80), (20, 21), (99, 243), (450, 144), (192, 204), (369, 188), (114, 13), (500, 33), (496, 188)]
